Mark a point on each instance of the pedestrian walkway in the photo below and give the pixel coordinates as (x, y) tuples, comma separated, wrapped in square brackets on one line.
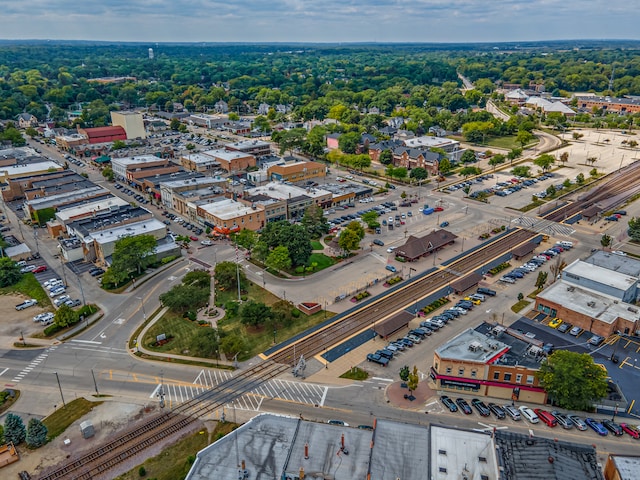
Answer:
[(547, 227)]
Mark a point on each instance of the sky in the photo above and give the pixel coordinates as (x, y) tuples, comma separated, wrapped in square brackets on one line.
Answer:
[(318, 20)]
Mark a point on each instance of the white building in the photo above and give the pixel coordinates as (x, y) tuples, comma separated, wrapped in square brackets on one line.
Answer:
[(132, 123)]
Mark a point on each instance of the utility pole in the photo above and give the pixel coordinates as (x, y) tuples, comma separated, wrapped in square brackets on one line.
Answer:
[(60, 387), (95, 384)]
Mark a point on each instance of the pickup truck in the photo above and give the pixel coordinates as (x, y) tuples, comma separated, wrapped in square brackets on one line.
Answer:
[(372, 357), (27, 304)]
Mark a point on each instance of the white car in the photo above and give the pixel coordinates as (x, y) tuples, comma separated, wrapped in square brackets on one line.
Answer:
[(51, 281), (390, 249), (60, 300), (28, 268), (42, 316), (57, 291), (55, 285), (27, 304), (206, 243)]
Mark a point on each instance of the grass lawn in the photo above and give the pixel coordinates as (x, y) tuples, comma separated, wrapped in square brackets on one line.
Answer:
[(516, 308), (508, 142), (60, 420), (257, 339), (30, 287), (356, 373), (175, 461), (322, 260), (316, 245)]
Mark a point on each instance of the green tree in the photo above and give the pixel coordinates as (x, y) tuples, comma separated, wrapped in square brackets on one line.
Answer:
[(314, 221), (371, 219), (255, 314), (175, 124), (404, 373), (207, 343), (444, 166), (348, 142), (469, 171), (496, 160), (349, 240), (246, 238), (261, 124), (524, 137), (593, 173), (279, 259), (107, 173), (541, 279), (36, 433), (521, 171), (32, 132), (605, 240), (386, 157), (190, 146), (65, 316), (634, 229), (580, 179), (469, 156), (545, 161), (551, 190), (298, 243), (9, 272), (226, 274), (514, 154), (197, 278), (419, 173), (573, 380), (233, 344), (118, 145), (564, 157), (234, 117), (14, 430), (260, 251), (412, 382), (183, 298), (133, 253)]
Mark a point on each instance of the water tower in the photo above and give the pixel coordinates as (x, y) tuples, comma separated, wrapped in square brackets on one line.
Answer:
[(151, 54)]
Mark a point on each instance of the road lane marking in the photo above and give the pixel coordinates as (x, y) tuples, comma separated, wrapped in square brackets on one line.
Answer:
[(4, 371), (87, 341)]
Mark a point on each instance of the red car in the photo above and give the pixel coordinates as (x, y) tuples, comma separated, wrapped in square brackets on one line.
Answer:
[(193, 238), (41, 268), (631, 430), (438, 209)]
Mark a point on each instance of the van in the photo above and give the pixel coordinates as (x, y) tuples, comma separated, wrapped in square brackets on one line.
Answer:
[(546, 417), (21, 263), (513, 412), (529, 414)]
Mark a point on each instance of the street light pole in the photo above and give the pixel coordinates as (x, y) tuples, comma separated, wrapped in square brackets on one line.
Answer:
[(144, 314), (60, 387)]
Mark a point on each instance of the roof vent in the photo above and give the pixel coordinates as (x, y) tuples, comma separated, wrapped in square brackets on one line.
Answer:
[(442, 452), (591, 304)]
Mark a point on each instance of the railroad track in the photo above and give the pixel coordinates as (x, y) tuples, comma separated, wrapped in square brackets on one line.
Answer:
[(619, 183), (397, 300), (105, 457)]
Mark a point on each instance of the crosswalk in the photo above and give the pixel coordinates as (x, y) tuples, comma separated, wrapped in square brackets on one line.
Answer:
[(33, 364), (291, 391), (547, 227)]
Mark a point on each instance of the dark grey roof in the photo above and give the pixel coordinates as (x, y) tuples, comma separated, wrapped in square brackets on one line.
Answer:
[(385, 145), (115, 216), (428, 155), (536, 458)]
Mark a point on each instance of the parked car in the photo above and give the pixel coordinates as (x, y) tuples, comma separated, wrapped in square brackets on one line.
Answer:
[(464, 406), (480, 406), (596, 340), (73, 303), (377, 241), (450, 404), (388, 354), (26, 304), (529, 414), (578, 422), (613, 427), (40, 269), (507, 280), (555, 322), (60, 300), (57, 291), (596, 426), (42, 316), (372, 357), (631, 430), (575, 331), (546, 417), (513, 412), (497, 410), (486, 291), (28, 268), (565, 327)]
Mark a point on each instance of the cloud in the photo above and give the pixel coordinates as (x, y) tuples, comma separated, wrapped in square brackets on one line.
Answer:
[(317, 20)]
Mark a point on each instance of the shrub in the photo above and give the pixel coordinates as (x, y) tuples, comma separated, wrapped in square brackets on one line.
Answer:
[(295, 313), (166, 260), (142, 471)]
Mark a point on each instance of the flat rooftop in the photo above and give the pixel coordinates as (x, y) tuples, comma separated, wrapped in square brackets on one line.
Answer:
[(52, 179), (618, 263), (428, 142), (136, 160), (249, 144), (226, 209), (601, 275), (472, 346), (64, 214), (67, 197), (286, 192), (197, 182), (200, 158), (454, 452), (605, 308), (28, 168), (104, 220), (226, 155), (129, 230)]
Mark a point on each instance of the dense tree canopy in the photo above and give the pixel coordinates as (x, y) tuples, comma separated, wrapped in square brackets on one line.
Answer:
[(573, 380)]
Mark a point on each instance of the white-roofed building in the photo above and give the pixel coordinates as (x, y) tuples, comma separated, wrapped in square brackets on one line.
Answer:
[(26, 169), (121, 166), (105, 240)]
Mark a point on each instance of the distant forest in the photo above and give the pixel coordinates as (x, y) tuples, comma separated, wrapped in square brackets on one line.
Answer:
[(418, 80)]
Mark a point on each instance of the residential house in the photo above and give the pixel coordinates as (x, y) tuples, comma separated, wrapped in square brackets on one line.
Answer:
[(26, 120)]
